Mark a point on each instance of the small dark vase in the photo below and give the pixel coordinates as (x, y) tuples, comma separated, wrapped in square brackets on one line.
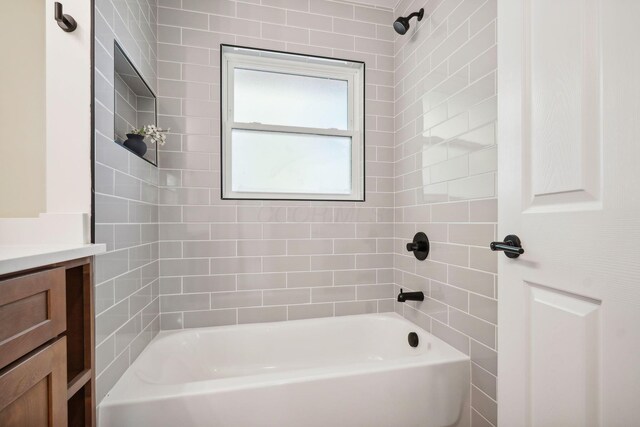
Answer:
[(136, 144)]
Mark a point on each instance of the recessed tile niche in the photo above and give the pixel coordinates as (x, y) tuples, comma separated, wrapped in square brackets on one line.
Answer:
[(135, 103)]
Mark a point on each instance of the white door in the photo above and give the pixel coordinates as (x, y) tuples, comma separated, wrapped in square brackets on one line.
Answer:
[(569, 187)]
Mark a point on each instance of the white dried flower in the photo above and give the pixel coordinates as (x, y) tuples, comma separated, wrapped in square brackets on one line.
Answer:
[(155, 134)]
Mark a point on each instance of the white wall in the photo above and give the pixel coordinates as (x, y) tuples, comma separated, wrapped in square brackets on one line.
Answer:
[(61, 215), (69, 111)]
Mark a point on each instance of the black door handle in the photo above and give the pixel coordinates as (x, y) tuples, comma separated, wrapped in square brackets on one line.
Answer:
[(512, 247)]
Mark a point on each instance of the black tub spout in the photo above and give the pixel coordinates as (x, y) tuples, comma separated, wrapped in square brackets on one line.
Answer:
[(410, 296)]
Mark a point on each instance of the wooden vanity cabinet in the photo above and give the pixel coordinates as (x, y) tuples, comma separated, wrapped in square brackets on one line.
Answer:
[(47, 373)]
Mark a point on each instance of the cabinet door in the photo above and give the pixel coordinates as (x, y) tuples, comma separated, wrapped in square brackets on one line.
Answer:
[(33, 392), (32, 312)]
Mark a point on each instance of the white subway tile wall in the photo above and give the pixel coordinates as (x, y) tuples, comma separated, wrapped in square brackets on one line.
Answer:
[(127, 300), (227, 262), (430, 166), (445, 181)]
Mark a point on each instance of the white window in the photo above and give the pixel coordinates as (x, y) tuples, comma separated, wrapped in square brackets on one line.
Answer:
[(292, 126)]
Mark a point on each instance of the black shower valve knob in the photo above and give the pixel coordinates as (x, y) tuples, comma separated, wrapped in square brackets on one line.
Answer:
[(416, 246), (419, 246)]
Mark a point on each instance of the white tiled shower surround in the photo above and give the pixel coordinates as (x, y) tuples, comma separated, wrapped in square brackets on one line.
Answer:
[(445, 181), (226, 262), (126, 197), (430, 167)]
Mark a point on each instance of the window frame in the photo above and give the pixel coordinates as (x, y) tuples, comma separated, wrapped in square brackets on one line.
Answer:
[(355, 78)]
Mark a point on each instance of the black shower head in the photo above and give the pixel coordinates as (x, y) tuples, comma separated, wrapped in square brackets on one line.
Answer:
[(401, 25)]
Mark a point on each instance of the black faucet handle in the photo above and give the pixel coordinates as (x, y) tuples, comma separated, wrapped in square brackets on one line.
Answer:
[(419, 246)]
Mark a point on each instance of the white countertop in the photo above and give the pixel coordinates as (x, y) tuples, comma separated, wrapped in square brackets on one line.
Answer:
[(23, 257)]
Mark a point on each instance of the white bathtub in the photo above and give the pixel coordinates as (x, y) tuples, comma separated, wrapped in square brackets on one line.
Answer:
[(345, 371)]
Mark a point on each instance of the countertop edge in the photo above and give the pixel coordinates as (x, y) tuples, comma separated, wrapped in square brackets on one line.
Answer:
[(26, 257)]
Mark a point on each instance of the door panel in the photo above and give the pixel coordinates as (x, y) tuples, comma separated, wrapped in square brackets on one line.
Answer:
[(564, 364), (33, 392), (28, 410), (563, 143), (32, 311), (569, 187)]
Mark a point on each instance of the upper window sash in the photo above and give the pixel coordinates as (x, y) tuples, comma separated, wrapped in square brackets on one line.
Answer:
[(351, 76)]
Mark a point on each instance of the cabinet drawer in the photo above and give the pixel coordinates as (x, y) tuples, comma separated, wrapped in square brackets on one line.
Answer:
[(34, 391), (32, 311)]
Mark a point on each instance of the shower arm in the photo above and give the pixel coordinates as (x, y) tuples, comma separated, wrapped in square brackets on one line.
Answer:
[(419, 14)]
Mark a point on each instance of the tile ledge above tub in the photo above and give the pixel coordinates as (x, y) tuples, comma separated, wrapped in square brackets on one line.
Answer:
[(15, 258)]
